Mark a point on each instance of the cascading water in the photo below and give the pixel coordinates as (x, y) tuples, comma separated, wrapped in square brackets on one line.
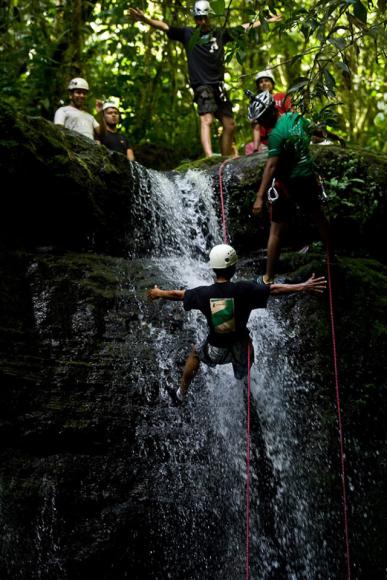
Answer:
[(112, 480), (207, 487)]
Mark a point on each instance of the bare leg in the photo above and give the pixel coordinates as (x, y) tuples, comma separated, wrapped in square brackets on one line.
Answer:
[(191, 367), (273, 250), (206, 121), (229, 127)]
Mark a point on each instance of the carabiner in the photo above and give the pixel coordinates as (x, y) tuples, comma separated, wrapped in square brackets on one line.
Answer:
[(272, 193)]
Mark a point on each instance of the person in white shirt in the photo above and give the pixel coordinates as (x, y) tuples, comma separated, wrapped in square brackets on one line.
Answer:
[(73, 116)]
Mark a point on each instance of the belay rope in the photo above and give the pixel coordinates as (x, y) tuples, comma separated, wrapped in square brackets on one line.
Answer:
[(337, 390), (226, 241), (339, 421)]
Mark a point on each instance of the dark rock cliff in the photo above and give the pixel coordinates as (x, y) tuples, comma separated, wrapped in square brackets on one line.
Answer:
[(88, 436)]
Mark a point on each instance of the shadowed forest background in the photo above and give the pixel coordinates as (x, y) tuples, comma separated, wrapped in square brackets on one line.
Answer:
[(325, 52)]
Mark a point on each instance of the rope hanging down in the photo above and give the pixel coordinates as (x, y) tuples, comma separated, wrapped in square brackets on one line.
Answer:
[(338, 404), (226, 241), (248, 466), (223, 214), (339, 421)]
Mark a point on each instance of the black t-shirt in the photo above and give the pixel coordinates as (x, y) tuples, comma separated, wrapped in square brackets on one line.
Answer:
[(115, 142), (227, 307), (206, 57)]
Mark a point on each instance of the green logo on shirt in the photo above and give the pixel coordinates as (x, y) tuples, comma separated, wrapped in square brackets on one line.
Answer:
[(222, 314)]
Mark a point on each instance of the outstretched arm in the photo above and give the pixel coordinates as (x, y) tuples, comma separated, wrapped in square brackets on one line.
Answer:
[(249, 25), (312, 285), (139, 16), (156, 293)]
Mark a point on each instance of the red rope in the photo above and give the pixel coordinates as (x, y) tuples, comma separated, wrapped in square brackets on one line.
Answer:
[(226, 241), (248, 467), (224, 219), (339, 421)]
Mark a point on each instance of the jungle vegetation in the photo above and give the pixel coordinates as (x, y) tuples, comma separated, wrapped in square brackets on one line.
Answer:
[(330, 54)]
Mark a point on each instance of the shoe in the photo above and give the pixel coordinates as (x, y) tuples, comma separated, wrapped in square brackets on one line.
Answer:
[(172, 392), (260, 281)]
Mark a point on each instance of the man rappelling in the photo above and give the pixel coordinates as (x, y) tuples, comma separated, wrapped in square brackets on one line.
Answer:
[(227, 306)]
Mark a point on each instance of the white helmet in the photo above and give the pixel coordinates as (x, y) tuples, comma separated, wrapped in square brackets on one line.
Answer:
[(202, 8), (265, 74), (109, 105), (222, 256), (261, 104), (78, 83)]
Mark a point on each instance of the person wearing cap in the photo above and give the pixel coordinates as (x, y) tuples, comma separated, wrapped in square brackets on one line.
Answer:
[(226, 306), (110, 136), (289, 179), (264, 81), (205, 68), (73, 116)]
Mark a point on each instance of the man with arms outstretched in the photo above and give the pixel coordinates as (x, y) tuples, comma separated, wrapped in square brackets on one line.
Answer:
[(204, 47)]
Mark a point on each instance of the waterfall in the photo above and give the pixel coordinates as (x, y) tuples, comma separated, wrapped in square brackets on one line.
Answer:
[(210, 430), (114, 481)]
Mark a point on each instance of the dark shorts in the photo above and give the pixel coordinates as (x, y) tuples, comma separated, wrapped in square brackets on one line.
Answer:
[(235, 354), (305, 192), (213, 99)]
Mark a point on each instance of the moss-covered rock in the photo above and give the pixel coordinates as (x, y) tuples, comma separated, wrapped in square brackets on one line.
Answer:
[(85, 198)]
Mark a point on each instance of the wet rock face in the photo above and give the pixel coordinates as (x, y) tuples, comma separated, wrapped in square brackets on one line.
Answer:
[(90, 443), (99, 475)]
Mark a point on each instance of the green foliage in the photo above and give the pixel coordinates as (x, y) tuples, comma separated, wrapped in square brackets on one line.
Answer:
[(322, 51)]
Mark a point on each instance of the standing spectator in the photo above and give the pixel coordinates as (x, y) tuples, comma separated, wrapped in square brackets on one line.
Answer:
[(205, 68), (73, 116), (264, 81), (109, 135)]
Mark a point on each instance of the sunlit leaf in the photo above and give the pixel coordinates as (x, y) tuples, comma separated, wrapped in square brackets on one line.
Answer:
[(218, 6)]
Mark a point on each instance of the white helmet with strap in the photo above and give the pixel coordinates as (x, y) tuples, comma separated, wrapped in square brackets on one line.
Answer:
[(78, 83), (265, 74), (109, 105), (223, 256), (202, 8)]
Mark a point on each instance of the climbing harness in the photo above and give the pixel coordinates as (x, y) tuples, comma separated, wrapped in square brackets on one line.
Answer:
[(339, 421)]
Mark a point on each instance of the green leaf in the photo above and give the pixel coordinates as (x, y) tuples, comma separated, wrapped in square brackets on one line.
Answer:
[(337, 42), (329, 79), (299, 85), (343, 67), (240, 56), (218, 6), (360, 11)]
